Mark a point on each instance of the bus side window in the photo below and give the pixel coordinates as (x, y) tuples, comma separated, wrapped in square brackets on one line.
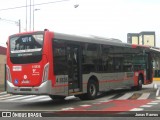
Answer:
[(90, 57), (59, 57)]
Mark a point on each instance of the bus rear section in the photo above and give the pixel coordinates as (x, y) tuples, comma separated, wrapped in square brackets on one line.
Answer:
[(27, 64)]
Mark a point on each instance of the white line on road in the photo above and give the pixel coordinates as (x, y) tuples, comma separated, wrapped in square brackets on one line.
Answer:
[(105, 101), (125, 96), (137, 109), (146, 106), (13, 96), (144, 96), (45, 99), (3, 93), (70, 108), (23, 97), (85, 105), (156, 101), (34, 98), (97, 103), (152, 103)]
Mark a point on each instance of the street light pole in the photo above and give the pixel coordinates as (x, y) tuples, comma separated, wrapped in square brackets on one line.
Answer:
[(30, 14), (26, 15), (19, 24)]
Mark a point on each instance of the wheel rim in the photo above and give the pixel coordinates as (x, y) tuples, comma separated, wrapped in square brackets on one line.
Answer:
[(92, 90)]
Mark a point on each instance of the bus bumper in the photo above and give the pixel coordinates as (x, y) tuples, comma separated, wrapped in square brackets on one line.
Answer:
[(43, 89)]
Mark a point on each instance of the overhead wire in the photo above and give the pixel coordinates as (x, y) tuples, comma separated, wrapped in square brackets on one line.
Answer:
[(32, 5)]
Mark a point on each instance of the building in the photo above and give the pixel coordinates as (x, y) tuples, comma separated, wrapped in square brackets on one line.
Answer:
[(142, 38), (133, 38), (2, 64)]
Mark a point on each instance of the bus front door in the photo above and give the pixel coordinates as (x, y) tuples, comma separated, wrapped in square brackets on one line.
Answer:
[(149, 68), (74, 69)]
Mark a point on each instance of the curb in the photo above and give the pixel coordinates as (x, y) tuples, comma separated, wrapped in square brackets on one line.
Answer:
[(156, 79)]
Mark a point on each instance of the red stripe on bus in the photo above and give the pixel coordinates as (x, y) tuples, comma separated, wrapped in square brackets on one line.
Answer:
[(99, 82)]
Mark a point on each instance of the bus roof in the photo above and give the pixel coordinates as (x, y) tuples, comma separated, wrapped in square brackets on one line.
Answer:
[(96, 40)]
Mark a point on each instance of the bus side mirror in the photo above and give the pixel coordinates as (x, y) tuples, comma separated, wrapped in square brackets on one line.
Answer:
[(6, 43)]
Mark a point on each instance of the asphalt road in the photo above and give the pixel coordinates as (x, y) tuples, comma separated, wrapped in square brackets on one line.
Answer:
[(126, 103)]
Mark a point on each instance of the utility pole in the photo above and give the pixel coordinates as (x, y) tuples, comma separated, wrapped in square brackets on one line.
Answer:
[(30, 15), (26, 16), (18, 23)]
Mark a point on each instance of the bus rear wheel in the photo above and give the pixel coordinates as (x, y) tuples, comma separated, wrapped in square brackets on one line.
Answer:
[(92, 90)]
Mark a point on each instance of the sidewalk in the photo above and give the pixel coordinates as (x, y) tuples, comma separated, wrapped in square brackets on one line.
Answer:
[(1, 88)]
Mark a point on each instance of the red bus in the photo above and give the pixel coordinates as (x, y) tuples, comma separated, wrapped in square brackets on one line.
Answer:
[(60, 65)]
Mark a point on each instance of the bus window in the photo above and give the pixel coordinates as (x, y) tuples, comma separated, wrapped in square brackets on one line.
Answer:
[(59, 57), (89, 60), (139, 62)]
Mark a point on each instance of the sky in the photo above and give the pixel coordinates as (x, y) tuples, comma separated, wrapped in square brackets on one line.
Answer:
[(105, 18)]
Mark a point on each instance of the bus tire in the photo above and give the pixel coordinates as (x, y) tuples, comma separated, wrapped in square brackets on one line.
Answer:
[(92, 90), (55, 97)]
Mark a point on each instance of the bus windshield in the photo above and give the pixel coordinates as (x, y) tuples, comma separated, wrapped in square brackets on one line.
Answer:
[(26, 43)]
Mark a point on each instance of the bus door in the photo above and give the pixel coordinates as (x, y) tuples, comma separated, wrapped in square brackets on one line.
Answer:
[(74, 69), (149, 67)]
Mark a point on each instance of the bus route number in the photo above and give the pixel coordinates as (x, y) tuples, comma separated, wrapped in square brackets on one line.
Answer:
[(62, 80)]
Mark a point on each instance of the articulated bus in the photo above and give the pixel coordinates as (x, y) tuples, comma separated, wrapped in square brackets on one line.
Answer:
[(60, 65)]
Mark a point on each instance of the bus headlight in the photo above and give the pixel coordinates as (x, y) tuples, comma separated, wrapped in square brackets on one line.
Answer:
[(8, 75), (45, 72)]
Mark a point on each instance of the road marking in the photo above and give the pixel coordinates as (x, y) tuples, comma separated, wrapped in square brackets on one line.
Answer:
[(105, 101), (144, 96), (152, 103), (156, 101), (3, 93), (23, 97), (158, 98), (13, 96), (70, 108), (137, 109), (34, 98), (125, 96), (85, 105), (96, 103), (45, 99), (146, 106)]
